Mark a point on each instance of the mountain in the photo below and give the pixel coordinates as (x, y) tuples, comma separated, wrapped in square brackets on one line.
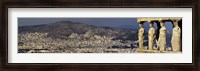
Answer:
[(62, 29), (128, 27)]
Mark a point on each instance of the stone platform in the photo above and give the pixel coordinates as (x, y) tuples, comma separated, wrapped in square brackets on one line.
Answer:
[(154, 51)]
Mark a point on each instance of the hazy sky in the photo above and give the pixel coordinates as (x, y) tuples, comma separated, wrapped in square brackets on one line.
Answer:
[(129, 23)]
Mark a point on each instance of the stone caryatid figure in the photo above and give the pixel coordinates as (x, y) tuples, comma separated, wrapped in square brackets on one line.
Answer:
[(151, 36), (161, 43), (176, 37), (141, 36)]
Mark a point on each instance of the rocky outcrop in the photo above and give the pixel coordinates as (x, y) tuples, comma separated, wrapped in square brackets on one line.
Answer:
[(88, 34), (73, 35)]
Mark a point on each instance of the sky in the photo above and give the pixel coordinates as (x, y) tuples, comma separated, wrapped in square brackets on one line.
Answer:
[(127, 23)]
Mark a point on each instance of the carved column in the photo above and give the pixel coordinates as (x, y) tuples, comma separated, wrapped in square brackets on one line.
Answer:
[(141, 35), (176, 37), (161, 43), (151, 36)]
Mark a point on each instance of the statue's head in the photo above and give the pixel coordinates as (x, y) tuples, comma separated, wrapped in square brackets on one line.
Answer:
[(175, 24), (151, 24), (140, 25), (162, 24)]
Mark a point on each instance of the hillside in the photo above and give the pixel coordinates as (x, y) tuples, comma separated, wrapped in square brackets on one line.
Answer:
[(65, 28)]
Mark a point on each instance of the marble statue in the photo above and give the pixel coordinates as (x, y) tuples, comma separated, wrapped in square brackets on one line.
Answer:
[(141, 36), (151, 36), (162, 38), (176, 38)]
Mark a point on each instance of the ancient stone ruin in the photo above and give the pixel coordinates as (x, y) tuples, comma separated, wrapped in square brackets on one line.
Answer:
[(160, 36)]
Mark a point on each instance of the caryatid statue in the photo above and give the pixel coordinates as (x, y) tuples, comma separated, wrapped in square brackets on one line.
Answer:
[(161, 44), (151, 36), (141, 36), (176, 37)]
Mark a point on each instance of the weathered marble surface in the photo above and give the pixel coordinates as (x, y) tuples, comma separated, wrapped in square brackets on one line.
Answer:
[(176, 38), (141, 36), (151, 36), (162, 37)]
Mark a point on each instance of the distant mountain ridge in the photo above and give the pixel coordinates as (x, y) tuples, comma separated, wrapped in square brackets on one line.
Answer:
[(66, 28), (132, 27)]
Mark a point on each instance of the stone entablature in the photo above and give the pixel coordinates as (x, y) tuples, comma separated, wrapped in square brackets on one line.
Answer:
[(149, 19)]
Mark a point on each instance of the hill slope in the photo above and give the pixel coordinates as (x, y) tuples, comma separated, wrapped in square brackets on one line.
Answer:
[(66, 28)]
